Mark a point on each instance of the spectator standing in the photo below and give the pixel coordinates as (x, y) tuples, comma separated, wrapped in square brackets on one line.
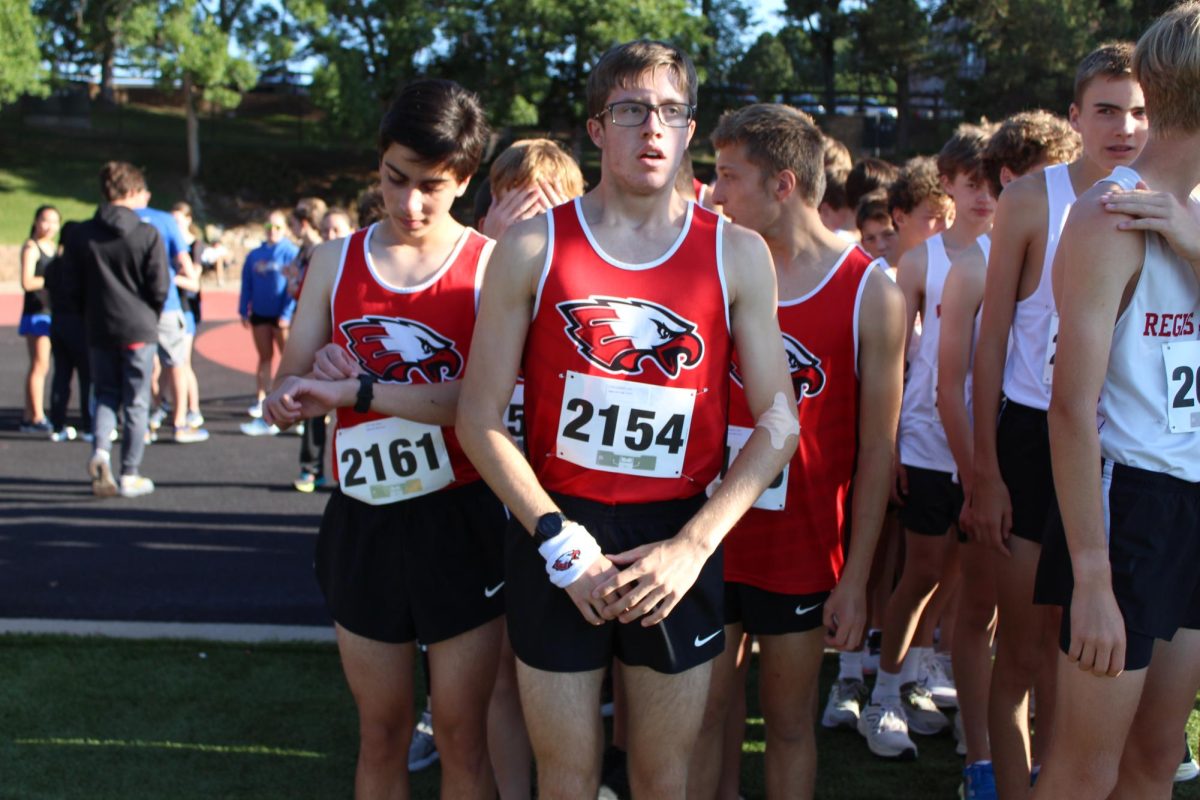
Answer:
[(68, 345), (36, 254), (266, 308), (125, 283)]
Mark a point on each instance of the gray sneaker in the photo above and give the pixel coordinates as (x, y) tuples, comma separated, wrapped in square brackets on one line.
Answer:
[(423, 750), (847, 697), (136, 485), (100, 470), (924, 717), (886, 731)]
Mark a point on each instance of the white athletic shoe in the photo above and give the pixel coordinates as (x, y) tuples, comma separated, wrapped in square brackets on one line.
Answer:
[(188, 435), (258, 428), (1188, 769), (100, 469), (136, 485), (195, 419), (886, 731), (65, 434), (935, 678), (255, 411), (924, 717), (422, 751), (847, 697)]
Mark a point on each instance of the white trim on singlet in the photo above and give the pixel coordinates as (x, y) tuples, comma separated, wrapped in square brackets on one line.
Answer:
[(687, 226), (811, 293), (858, 297), (423, 285), (537, 296), (721, 270), (485, 255), (337, 277)]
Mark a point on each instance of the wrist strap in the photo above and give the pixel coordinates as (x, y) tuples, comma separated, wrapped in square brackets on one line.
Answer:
[(366, 393), (568, 554)]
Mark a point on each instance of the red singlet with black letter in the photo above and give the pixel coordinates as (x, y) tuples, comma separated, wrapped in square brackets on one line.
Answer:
[(626, 365)]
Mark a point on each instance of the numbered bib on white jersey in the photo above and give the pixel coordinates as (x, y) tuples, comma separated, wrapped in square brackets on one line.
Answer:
[(514, 416), (774, 497), (388, 460), (623, 426), (1182, 362), (1051, 350)]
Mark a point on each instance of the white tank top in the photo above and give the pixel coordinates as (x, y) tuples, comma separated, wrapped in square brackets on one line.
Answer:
[(1028, 370), (922, 440), (1150, 402)]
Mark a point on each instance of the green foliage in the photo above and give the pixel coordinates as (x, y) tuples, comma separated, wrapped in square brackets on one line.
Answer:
[(766, 68), (20, 70)]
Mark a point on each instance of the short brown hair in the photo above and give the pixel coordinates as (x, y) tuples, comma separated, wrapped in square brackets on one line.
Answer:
[(963, 152), (309, 209), (867, 176), (1167, 65), (1027, 139), (916, 183), (1110, 61), (778, 137), (120, 179), (526, 161), (873, 206), (370, 208), (441, 122), (620, 66)]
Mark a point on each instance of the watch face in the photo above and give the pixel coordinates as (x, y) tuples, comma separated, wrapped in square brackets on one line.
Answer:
[(549, 525)]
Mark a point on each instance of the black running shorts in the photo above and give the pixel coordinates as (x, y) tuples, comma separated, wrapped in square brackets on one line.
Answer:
[(549, 633), (1023, 449), (765, 613), (932, 503), (427, 569), (1153, 522)]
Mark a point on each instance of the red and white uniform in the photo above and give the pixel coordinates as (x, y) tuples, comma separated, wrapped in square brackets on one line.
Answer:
[(791, 541), (626, 365), (416, 334)]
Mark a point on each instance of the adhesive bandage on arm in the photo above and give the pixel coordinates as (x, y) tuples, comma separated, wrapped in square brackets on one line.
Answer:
[(779, 421), (568, 554)]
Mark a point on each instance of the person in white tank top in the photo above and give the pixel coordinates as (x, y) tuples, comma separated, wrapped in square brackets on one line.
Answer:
[(1013, 352), (931, 500), (1118, 722)]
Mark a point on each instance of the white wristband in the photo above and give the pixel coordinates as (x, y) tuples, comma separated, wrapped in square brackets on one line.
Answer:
[(568, 554)]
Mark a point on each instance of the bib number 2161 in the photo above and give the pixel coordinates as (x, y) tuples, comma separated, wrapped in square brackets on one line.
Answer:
[(623, 426), (387, 460)]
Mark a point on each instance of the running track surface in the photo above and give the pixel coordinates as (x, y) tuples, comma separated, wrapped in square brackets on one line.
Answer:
[(227, 344)]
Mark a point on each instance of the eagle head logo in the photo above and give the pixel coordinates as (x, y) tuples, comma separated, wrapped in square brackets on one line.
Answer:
[(808, 379), (619, 334), (392, 348)]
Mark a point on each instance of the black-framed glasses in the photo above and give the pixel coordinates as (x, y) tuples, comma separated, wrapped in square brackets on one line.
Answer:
[(631, 113)]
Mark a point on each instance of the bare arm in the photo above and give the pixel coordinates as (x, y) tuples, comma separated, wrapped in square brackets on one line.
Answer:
[(960, 301), (1162, 213), (910, 277), (30, 280), (505, 310), (1018, 218), (881, 386), (664, 571), (187, 274), (1094, 266)]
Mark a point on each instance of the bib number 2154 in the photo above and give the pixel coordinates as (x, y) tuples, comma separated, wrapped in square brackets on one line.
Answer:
[(623, 426)]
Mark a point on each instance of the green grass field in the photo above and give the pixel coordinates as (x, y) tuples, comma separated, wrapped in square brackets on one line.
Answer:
[(101, 718)]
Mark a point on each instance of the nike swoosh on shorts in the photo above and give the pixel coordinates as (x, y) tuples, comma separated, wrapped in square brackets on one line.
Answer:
[(698, 642), (801, 611), (490, 591)]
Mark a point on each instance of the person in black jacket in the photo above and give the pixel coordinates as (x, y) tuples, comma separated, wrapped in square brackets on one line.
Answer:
[(125, 282), (68, 344)]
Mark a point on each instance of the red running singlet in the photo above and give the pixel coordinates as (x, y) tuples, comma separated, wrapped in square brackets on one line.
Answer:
[(418, 334), (626, 365), (798, 549)]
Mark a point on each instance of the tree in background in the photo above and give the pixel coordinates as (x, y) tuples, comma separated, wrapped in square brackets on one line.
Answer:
[(78, 35), (20, 62), (766, 68), (825, 23), (891, 41)]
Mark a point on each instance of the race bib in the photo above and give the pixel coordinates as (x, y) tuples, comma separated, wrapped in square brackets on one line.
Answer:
[(1182, 362), (1051, 350), (623, 426), (514, 416), (774, 497), (388, 460)]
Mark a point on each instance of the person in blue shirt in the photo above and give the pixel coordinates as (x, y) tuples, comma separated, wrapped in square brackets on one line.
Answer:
[(174, 345), (266, 307)]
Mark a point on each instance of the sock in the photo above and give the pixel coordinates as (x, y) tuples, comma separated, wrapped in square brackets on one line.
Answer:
[(850, 666), (887, 688), (912, 663)]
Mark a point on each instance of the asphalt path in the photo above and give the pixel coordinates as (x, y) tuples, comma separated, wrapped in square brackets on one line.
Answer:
[(223, 539)]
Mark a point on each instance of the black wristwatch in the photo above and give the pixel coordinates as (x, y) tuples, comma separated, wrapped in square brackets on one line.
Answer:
[(366, 393), (549, 526)]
